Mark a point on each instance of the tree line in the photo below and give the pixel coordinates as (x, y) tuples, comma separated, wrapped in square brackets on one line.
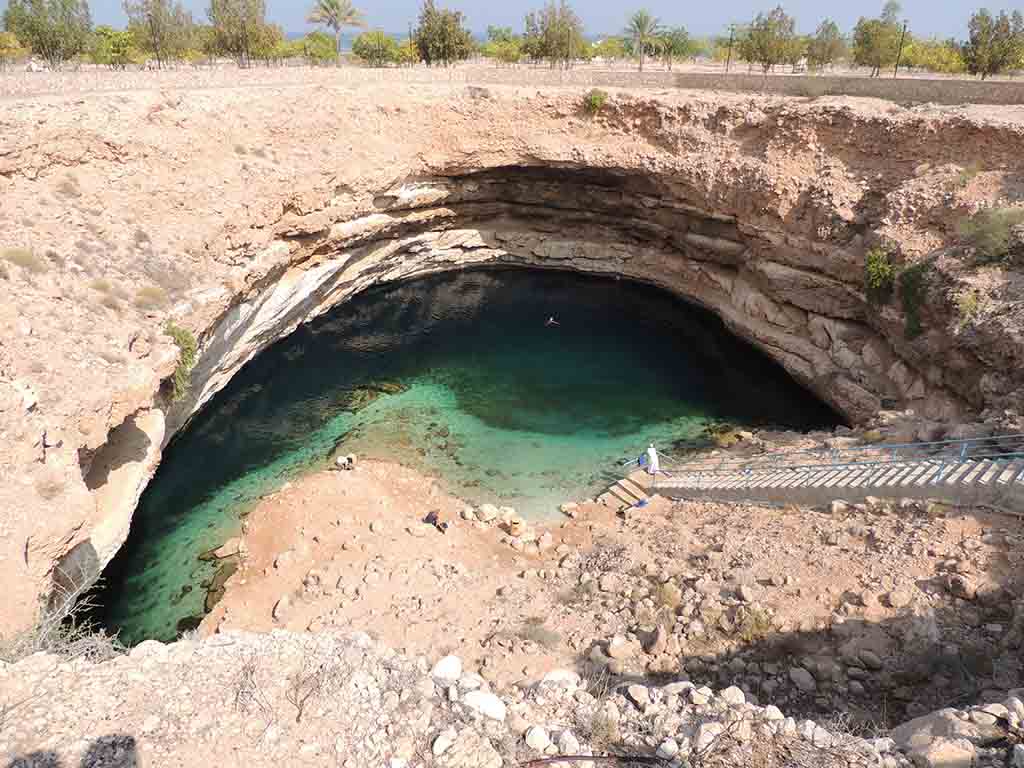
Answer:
[(163, 32)]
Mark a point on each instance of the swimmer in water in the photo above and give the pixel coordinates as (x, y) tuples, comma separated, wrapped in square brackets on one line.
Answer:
[(551, 321)]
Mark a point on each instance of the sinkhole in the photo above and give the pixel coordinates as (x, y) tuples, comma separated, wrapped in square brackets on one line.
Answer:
[(460, 376)]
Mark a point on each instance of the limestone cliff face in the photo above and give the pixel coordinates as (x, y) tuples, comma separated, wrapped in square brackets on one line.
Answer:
[(242, 214)]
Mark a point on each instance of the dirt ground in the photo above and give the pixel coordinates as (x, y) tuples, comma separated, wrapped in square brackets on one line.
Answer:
[(770, 586)]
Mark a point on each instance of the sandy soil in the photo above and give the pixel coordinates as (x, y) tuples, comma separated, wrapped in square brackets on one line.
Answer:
[(348, 550)]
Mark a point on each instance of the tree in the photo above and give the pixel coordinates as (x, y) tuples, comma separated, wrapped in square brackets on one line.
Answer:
[(826, 47), (268, 43), (237, 26), (891, 12), (161, 28), (10, 49), (677, 45), (336, 14), (769, 40), (611, 49), (408, 54), (943, 56), (500, 35), (375, 48), (994, 44), (114, 48), (441, 36), (57, 30), (320, 48), (555, 33), (876, 44), (643, 28)]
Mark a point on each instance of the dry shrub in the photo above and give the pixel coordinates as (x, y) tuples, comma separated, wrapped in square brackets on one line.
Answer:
[(668, 596), (533, 630), (754, 624), (602, 733), (151, 297), (101, 285), (989, 232), (62, 629), (24, 258)]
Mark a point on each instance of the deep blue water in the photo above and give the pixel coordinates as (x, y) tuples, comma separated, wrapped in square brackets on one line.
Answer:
[(457, 375)]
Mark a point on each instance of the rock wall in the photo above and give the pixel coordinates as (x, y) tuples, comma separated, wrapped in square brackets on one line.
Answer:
[(240, 213)]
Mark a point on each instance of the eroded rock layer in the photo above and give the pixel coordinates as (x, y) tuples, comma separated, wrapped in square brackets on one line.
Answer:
[(242, 213)]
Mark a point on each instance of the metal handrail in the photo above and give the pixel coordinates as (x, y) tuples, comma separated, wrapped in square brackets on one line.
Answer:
[(839, 456), (849, 465)]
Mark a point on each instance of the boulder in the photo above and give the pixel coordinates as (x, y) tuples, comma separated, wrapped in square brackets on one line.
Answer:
[(448, 670), (487, 704), (733, 696), (486, 513), (803, 679), (944, 753), (537, 739), (707, 734), (568, 744), (639, 695), (946, 725), (443, 741), (621, 648)]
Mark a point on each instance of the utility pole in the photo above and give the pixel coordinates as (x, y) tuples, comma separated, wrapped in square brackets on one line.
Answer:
[(732, 35), (899, 55)]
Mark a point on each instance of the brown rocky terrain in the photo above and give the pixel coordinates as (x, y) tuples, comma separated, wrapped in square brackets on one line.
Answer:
[(737, 595), (240, 213)]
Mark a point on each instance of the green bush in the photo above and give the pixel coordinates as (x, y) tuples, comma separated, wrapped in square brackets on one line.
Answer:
[(988, 232), (879, 276), (913, 291), (594, 101), (187, 349), (968, 305), (967, 174)]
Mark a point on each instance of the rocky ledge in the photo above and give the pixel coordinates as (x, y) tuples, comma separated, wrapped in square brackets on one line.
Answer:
[(282, 698), (239, 214)]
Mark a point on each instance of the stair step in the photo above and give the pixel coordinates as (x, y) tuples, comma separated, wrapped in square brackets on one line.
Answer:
[(916, 472), (622, 496), (928, 475), (1012, 468), (954, 477), (979, 469), (897, 477), (634, 489)]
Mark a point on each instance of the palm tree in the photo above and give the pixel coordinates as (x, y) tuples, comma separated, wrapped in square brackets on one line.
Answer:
[(642, 28), (336, 14)]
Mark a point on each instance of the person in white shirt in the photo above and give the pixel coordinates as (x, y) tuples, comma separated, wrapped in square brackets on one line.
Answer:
[(652, 460)]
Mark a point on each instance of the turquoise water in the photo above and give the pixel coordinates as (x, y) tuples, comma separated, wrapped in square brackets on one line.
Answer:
[(459, 376)]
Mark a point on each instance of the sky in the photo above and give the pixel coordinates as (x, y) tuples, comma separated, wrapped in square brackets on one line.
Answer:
[(941, 18)]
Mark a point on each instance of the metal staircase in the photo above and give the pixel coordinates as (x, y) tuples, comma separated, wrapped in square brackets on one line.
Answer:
[(986, 471)]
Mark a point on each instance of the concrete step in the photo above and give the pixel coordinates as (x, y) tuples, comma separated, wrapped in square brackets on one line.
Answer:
[(633, 489)]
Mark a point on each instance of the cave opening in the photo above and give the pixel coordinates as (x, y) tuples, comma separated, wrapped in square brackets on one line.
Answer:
[(460, 376)]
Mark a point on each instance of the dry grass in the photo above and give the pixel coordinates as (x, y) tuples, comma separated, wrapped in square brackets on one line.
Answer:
[(151, 297), (24, 258), (101, 285), (61, 628), (533, 630), (602, 732), (753, 624), (668, 596)]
